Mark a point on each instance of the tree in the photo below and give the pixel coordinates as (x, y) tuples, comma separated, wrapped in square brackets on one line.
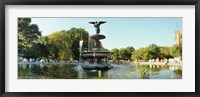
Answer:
[(76, 35), (154, 51), (150, 52), (28, 32), (59, 44), (176, 51), (122, 54), (28, 38), (129, 51), (138, 54), (165, 52), (115, 55), (44, 48)]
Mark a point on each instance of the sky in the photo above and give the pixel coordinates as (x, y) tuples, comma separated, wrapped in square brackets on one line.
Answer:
[(119, 32)]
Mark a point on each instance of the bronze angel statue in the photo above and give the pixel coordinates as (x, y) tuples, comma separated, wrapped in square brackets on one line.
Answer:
[(97, 25)]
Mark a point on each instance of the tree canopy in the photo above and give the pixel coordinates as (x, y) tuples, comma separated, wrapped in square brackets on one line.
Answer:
[(78, 34), (122, 53), (28, 38), (63, 45), (153, 51), (59, 45)]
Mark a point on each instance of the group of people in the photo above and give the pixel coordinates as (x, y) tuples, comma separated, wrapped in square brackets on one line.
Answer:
[(170, 60), (21, 59), (41, 60)]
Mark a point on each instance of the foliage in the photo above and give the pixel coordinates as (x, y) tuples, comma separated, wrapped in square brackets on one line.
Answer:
[(59, 45), (115, 55), (76, 35), (144, 71), (62, 45), (123, 53), (176, 51), (139, 54), (153, 51), (165, 52), (129, 51), (44, 49), (28, 37)]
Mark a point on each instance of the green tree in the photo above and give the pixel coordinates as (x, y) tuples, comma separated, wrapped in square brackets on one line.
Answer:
[(176, 51), (129, 51), (59, 44), (139, 54), (78, 34), (165, 52), (123, 54), (28, 38), (44, 51), (150, 52), (153, 51), (115, 55), (135, 55)]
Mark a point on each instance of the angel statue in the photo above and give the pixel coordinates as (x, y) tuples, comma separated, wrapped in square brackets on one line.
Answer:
[(97, 25)]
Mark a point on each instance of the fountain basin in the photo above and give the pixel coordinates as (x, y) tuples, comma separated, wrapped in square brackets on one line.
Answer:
[(97, 36), (96, 54), (96, 66)]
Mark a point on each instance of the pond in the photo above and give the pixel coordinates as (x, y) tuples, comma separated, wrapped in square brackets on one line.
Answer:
[(121, 71)]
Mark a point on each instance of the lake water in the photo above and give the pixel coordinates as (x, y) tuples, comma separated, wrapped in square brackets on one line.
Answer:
[(122, 71)]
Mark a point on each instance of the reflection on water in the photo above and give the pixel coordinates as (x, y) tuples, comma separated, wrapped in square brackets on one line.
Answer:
[(68, 71)]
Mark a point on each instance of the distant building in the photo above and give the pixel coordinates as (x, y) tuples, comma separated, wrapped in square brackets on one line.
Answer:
[(178, 38)]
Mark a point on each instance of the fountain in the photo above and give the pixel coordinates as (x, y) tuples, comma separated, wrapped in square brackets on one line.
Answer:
[(97, 57)]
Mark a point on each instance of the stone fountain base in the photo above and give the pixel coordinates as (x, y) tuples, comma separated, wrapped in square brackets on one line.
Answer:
[(96, 66)]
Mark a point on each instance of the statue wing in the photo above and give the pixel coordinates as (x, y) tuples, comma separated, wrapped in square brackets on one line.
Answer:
[(101, 22), (92, 22)]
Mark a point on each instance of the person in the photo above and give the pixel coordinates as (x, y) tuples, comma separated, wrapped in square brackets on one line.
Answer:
[(30, 60), (41, 61)]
